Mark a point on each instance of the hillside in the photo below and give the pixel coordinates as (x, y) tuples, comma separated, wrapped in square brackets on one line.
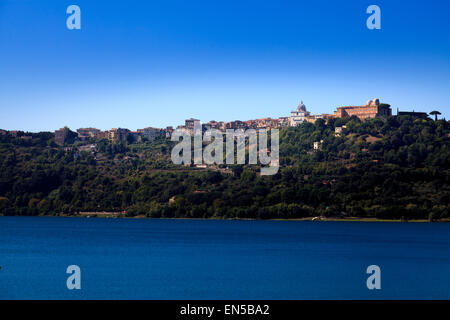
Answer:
[(392, 168)]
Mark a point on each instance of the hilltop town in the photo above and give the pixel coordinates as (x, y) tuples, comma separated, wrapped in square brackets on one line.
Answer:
[(361, 161), (372, 109)]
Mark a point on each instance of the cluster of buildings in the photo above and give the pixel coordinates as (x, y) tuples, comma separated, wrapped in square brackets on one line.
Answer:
[(263, 123), (121, 134), (115, 134), (372, 109)]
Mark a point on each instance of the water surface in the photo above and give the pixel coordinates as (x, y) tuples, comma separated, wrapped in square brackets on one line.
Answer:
[(209, 259)]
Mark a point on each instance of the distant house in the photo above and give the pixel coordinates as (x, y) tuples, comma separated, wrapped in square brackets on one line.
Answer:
[(88, 148), (422, 115), (338, 131), (317, 145)]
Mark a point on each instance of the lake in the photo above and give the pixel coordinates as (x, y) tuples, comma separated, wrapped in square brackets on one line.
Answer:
[(215, 259)]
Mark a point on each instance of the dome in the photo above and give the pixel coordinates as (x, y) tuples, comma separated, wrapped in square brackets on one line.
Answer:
[(301, 107)]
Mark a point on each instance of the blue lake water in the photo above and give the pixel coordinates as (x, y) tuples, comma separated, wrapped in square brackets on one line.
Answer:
[(208, 259)]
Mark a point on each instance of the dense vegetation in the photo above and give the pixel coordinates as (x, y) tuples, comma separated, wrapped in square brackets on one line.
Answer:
[(396, 167)]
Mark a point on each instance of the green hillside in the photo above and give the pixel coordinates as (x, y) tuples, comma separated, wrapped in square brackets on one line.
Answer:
[(390, 168)]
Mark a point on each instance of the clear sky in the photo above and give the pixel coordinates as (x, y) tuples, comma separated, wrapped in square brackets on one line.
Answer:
[(135, 63)]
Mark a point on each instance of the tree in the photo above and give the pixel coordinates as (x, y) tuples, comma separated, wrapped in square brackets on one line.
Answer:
[(435, 114), (4, 202)]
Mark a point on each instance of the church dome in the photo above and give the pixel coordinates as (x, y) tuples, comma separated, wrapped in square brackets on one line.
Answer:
[(301, 107)]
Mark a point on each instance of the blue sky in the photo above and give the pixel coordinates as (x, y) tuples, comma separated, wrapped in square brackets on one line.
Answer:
[(135, 63)]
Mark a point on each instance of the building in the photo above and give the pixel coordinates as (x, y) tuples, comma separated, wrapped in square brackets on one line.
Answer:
[(92, 133), (267, 123), (88, 133), (317, 145), (190, 124), (221, 126), (103, 135), (150, 133), (283, 122), (213, 124), (92, 148), (135, 135), (314, 117), (168, 132), (118, 134), (422, 115), (218, 125), (299, 115), (64, 135), (263, 123), (372, 109), (338, 131), (237, 124)]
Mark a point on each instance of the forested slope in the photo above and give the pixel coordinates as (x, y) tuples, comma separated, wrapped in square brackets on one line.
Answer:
[(396, 167)]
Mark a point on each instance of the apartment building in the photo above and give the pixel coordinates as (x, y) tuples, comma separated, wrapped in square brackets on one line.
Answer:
[(118, 134)]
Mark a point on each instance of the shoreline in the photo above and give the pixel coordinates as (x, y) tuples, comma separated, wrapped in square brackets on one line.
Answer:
[(110, 215)]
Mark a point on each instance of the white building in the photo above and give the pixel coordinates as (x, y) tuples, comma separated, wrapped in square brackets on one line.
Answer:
[(338, 131), (299, 115), (317, 145)]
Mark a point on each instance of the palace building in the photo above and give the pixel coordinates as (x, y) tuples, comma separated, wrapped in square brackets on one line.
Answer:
[(372, 109)]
